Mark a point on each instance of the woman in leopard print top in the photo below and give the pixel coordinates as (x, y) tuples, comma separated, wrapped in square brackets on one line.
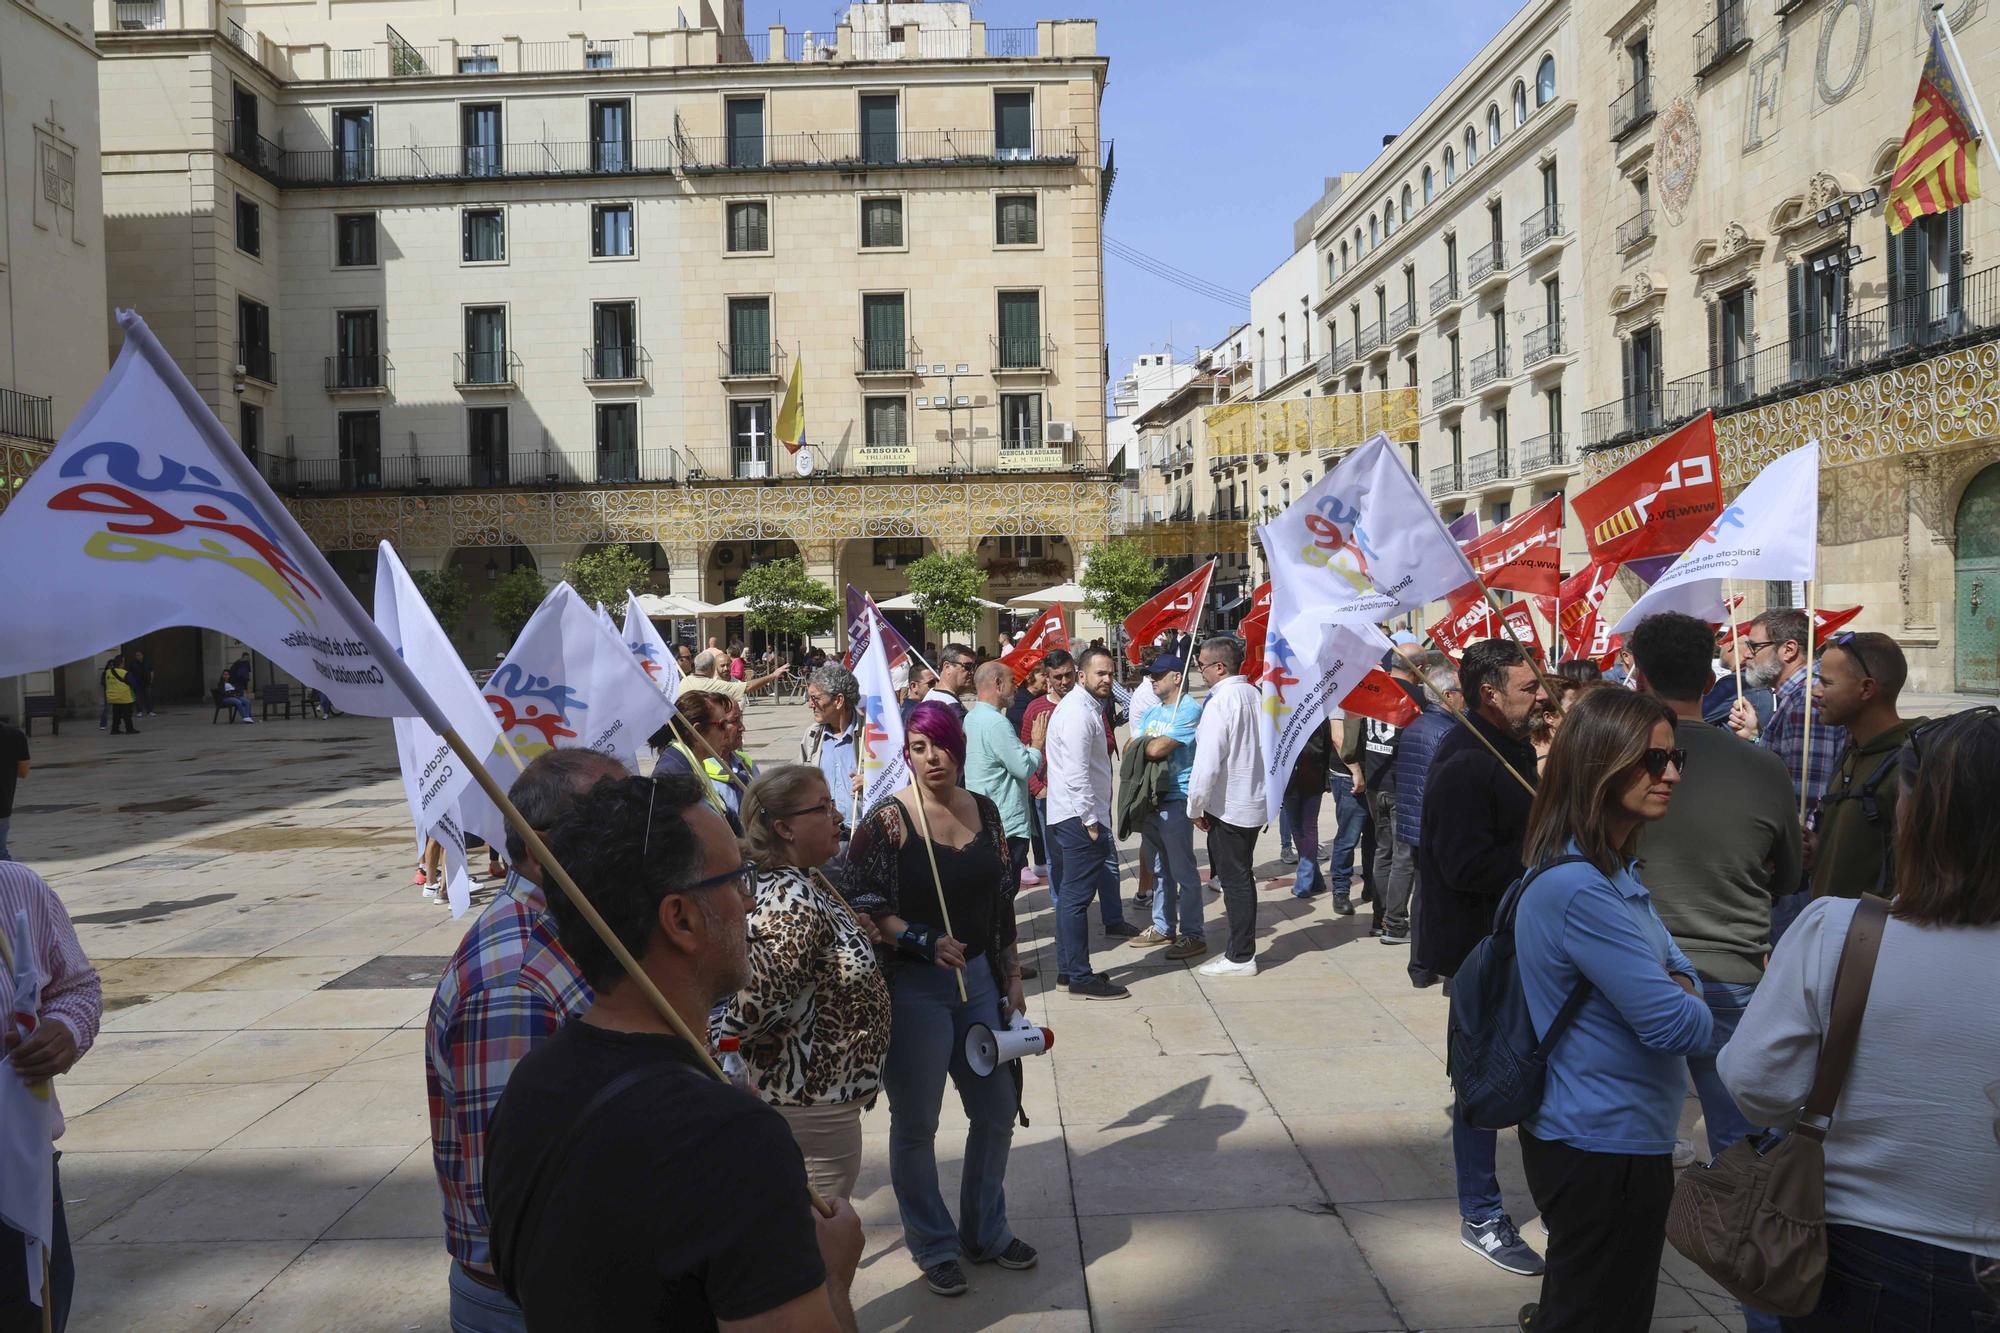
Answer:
[(813, 1022)]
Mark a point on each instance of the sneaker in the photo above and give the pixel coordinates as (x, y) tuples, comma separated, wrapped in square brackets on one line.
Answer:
[(1029, 878), (1289, 857), (1188, 946), (1098, 988), (1221, 966), (430, 895), (1343, 905), (249, 719), (1121, 930), (1062, 982), (1150, 937), (1374, 929), (419, 881), (1498, 1243), (946, 1279), (1019, 1256), (1395, 937)]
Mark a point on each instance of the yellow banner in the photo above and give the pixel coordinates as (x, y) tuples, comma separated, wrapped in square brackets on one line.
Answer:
[(1197, 536), (1301, 425)]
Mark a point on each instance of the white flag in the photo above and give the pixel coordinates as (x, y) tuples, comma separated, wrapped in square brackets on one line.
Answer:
[(570, 682), (884, 768), (27, 1114), (643, 638), (1768, 532), (147, 515), (445, 803), (1299, 686), (1362, 545)]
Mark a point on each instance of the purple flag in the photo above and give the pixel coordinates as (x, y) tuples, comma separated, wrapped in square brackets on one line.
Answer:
[(1465, 527), (859, 619)]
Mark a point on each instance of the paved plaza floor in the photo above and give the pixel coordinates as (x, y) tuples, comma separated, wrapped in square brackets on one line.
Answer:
[(248, 1141)]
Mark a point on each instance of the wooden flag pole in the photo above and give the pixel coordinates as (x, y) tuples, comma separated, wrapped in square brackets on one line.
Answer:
[(1735, 644), (546, 859), (1466, 722), (924, 824), (1548, 685), (1805, 741)]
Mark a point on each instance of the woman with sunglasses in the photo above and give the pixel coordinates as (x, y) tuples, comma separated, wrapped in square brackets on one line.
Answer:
[(890, 878), (1599, 1151), (1913, 1154), (812, 1023)]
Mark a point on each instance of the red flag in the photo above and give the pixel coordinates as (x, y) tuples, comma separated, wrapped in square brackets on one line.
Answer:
[(1175, 607), (1041, 638), (1381, 696), (1520, 626), (1658, 503), (1468, 621), (1256, 623), (1260, 602), (1524, 553), (1825, 623), (1580, 597)]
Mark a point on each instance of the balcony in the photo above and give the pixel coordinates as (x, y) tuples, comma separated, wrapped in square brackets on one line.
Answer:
[(886, 356), (1485, 469), (486, 370), (1632, 108), (1444, 293), (138, 15), (1541, 344), (1367, 340), (23, 416), (361, 375), (1489, 371), (1635, 231), (1402, 323), (1330, 364), (1022, 355), (751, 361), (1721, 37), (1539, 228), (1542, 453), (1486, 266), (616, 364), (257, 362), (1445, 390), (1444, 480)]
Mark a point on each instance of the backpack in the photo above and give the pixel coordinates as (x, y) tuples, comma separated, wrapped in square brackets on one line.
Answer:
[(1496, 1065)]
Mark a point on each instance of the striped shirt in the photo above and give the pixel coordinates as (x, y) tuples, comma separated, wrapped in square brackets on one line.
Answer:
[(71, 993), (507, 989), (1784, 736)]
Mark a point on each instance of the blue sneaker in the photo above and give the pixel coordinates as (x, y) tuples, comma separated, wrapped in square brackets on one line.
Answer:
[(1498, 1243)]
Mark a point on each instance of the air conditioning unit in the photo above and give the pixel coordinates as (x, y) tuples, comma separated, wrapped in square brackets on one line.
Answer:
[(1060, 432)]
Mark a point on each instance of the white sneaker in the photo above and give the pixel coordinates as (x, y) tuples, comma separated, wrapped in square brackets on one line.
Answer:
[(430, 895), (1220, 966), (249, 719)]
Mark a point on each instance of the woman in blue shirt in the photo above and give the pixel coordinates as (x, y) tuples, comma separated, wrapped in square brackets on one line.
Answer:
[(1599, 1151)]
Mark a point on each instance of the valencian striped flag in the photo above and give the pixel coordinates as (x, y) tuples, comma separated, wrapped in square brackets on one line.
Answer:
[(1937, 168)]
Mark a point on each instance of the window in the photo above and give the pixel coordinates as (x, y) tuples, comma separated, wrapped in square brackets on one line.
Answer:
[(1471, 148), (486, 360), (1554, 399), (1500, 437), (357, 356), (1731, 320), (1493, 126), (1332, 270), (1020, 421), (1926, 262), (1451, 346), (599, 59), (1020, 330), (750, 436), (1013, 124), (749, 227), (483, 236), (1344, 262), (1359, 248), (1406, 204), (249, 237), (1817, 301), (1374, 232), (1410, 290), (1016, 221), (611, 136), (1450, 167), (354, 142), (1019, 548), (1520, 104), (1502, 511), (478, 60), (354, 240), (243, 107), (886, 423), (1549, 196), (882, 332), (479, 133), (750, 335), (1388, 217), (611, 234), (1545, 81), (881, 224), (486, 446), (1552, 306), (878, 128), (744, 121), (253, 340), (614, 340), (1642, 186), (1451, 260), (1457, 446), (1642, 378), (360, 435), (888, 552), (250, 428), (1410, 372), (617, 441), (1430, 186)]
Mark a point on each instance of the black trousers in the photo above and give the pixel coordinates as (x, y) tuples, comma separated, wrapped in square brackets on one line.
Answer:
[(1232, 852), (121, 718), (1607, 1219)]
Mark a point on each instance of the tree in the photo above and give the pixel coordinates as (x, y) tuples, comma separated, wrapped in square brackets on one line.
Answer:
[(782, 600), (514, 597), (947, 589), (446, 593), (606, 575), (1117, 577)]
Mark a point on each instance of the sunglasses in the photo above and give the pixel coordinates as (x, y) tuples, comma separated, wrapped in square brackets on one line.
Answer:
[(1929, 728), (1845, 642), (1655, 762)]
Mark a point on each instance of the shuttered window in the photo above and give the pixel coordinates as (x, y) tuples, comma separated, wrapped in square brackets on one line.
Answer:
[(1020, 330), (1016, 222), (750, 335), (882, 331), (749, 226), (881, 224)]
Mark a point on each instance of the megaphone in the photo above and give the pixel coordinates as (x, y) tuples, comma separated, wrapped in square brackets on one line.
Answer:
[(986, 1050)]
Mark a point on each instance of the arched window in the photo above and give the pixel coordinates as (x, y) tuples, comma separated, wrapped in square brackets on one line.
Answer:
[(1406, 201), (1332, 272), (1343, 256), (1358, 250), (1450, 167), (1545, 82), (1520, 104), (1493, 126), (1388, 217), (1430, 186), (1471, 147), (1285, 494), (1306, 480), (1374, 232)]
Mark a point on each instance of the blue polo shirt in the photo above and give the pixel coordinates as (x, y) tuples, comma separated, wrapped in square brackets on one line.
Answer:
[(1618, 1076), (1177, 720)]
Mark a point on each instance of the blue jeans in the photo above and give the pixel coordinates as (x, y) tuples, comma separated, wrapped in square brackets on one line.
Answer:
[(1080, 872), (1110, 910), (1287, 829), (1472, 1154), (928, 1023), (1351, 817), (1300, 811), (477, 1309), (1878, 1283), (1726, 1124), (1052, 852), (240, 704), (1168, 839), (5, 820)]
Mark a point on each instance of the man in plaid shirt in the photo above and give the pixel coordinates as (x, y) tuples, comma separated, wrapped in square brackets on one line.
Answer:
[(508, 988)]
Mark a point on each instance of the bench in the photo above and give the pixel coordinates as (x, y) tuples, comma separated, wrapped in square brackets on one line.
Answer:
[(41, 705), (276, 694)]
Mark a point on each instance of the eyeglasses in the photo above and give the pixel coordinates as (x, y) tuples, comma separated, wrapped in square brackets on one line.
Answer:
[(1755, 646), (740, 877), (1845, 642), (1930, 726), (826, 807), (1211, 666), (1655, 762)]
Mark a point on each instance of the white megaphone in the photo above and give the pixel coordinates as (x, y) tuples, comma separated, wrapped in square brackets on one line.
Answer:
[(986, 1050)]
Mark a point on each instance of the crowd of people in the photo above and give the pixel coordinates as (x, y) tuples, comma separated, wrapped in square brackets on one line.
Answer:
[(1683, 877)]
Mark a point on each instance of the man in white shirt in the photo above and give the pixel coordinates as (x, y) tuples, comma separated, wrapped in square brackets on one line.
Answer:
[(1079, 806), (955, 667), (1226, 797)]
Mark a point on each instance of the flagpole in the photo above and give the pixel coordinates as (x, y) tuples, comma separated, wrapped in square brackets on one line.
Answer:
[(1735, 648), (1958, 59), (1805, 738), (1465, 722), (1494, 602), (930, 852)]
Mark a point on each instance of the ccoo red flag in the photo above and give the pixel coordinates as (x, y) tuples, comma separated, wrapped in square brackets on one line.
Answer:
[(1175, 607), (1824, 624), (1579, 600), (1256, 623), (1658, 503), (1381, 696), (1043, 637), (1523, 554)]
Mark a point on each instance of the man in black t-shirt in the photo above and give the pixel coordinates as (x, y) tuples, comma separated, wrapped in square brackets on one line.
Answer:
[(628, 1187), (1372, 761), (13, 767)]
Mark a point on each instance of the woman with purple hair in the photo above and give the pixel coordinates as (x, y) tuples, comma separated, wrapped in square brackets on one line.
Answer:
[(890, 879)]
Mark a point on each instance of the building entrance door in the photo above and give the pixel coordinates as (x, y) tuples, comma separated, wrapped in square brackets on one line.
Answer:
[(1978, 664)]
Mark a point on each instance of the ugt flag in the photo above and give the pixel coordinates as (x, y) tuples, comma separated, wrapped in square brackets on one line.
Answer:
[(643, 638), (445, 803), (884, 769), (1769, 532), (1297, 688), (147, 515), (570, 682), (1043, 637), (1175, 608), (1657, 503)]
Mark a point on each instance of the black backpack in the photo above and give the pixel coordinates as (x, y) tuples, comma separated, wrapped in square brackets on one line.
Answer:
[(1497, 1066)]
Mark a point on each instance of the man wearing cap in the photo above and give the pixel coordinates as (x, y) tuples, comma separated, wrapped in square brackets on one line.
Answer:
[(1166, 839)]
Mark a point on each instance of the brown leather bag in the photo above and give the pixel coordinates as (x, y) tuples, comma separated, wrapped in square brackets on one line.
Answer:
[(1756, 1221)]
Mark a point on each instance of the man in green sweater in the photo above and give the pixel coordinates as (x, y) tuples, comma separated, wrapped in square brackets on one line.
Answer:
[(1860, 677)]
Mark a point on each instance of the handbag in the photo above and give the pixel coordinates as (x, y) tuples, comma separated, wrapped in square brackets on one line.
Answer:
[(1754, 1219)]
